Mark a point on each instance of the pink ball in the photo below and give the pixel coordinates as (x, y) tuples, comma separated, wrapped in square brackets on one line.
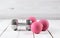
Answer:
[(33, 19), (36, 27), (45, 24)]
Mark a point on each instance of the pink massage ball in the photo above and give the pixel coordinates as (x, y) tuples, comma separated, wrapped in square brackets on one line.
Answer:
[(36, 27), (33, 19), (45, 24)]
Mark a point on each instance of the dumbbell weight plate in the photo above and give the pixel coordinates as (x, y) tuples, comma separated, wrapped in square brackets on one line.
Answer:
[(14, 22)]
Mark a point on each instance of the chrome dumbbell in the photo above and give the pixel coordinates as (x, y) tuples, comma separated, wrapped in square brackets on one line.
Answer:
[(15, 23), (27, 22)]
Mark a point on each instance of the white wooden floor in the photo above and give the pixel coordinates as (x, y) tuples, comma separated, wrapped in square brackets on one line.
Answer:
[(9, 33)]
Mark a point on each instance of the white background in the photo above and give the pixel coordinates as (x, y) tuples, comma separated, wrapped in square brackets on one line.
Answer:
[(49, 9)]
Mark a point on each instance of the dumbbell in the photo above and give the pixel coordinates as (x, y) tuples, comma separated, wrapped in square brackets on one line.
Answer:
[(26, 22)]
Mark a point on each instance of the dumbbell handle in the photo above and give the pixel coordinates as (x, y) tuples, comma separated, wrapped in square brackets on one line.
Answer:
[(22, 24), (22, 30)]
